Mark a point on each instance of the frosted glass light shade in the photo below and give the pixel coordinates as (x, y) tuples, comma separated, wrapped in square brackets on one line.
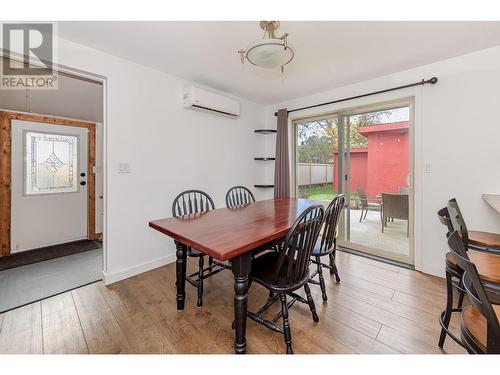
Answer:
[(269, 53)]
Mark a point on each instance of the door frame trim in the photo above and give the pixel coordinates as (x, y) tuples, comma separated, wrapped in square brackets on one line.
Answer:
[(410, 103), (6, 118)]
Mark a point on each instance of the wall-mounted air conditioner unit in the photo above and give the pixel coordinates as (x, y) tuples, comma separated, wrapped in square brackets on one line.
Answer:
[(204, 100)]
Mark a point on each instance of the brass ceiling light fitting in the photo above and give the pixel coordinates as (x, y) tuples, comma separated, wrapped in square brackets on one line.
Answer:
[(270, 51)]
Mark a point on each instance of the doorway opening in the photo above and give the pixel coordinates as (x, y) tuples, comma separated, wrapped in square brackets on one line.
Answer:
[(51, 191), (366, 154)]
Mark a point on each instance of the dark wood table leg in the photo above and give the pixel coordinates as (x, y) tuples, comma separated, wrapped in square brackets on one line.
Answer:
[(180, 267), (241, 268)]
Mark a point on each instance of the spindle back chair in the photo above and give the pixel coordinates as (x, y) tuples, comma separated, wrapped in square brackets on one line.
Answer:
[(238, 196), (191, 202)]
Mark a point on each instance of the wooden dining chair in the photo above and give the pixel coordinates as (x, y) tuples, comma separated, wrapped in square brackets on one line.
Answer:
[(474, 239), (452, 218), (239, 195), (479, 326), (453, 280), (191, 202), (326, 245), (286, 271)]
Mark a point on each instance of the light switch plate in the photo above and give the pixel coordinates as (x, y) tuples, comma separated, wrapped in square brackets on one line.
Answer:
[(124, 168)]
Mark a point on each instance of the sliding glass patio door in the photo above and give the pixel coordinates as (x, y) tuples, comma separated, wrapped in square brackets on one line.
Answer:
[(366, 155), (375, 155)]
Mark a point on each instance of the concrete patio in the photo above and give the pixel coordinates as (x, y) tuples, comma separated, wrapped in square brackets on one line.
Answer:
[(368, 232)]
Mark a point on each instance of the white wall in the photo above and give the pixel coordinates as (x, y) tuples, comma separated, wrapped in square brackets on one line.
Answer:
[(170, 149), (73, 98), (457, 131)]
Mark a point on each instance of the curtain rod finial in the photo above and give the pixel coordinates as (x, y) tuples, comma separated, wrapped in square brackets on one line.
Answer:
[(433, 80), (276, 113)]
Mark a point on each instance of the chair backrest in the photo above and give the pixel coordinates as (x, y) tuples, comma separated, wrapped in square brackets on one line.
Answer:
[(239, 195), (331, 223), (444, 218), (299, 242), (458, 221), (362, 196), (192, 202), (475, 291), (395, 205)]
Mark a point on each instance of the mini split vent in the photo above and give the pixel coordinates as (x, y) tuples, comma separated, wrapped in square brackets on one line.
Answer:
[(203, 100)]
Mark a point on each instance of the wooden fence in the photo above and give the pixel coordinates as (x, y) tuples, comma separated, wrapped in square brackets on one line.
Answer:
[(314, 174)]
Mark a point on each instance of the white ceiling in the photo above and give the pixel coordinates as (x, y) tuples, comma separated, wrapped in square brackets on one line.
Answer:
[(327, 54), (73, 98)]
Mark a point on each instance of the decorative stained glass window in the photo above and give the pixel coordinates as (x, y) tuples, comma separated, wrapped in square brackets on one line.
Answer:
[(50, 163)]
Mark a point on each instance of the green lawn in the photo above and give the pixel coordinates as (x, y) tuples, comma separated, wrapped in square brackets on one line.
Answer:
[(320, 193)]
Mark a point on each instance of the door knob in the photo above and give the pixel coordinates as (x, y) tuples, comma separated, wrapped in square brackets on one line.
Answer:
[(82, 174), (83, 183)]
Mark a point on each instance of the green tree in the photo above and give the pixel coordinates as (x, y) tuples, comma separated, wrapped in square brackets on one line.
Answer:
[(315, 149), (317, 139)]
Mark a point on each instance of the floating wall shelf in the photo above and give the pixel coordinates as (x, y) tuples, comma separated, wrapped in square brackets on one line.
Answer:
[(265, 131), (265, 159)]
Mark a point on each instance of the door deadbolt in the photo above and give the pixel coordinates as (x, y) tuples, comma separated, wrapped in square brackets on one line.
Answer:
[(82, 174)]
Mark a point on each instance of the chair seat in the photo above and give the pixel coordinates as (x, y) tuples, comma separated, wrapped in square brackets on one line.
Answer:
[(475, 326), (484, 239), (317, 251), (264, 268), (487, 264)]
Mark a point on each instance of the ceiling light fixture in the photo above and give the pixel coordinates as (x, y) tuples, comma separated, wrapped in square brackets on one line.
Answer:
[(270, 51)]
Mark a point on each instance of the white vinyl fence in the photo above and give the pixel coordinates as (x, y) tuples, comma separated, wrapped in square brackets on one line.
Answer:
[(315, 174)]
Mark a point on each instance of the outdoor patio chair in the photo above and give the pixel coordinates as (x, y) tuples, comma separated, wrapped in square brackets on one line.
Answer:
[(395, 206), (366, 205)]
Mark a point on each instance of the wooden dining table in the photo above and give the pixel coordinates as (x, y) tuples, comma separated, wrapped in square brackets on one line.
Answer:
[(231, 234)]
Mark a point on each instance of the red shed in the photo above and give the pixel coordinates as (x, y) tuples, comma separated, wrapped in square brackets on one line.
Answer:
[(383, 165)]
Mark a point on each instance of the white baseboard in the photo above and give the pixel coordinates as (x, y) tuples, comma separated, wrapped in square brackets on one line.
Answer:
[(433, 269), (138, 269)]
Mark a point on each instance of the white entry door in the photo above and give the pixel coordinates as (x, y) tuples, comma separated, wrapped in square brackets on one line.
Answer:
[(49, 191)]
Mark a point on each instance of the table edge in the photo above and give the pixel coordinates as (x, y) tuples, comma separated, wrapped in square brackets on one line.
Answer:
[(228, 256)]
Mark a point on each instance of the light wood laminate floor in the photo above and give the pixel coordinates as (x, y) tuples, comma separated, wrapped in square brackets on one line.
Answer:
[(376, 308)]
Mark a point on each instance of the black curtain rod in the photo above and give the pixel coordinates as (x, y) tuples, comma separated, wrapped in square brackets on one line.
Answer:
[(432, 81)]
